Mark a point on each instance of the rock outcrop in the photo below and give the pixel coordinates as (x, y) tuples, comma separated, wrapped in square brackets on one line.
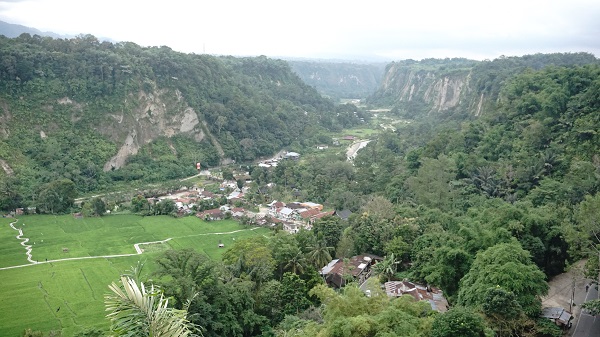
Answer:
[(160, 113)]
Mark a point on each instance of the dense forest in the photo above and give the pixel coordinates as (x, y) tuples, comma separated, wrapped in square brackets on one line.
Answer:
[(486, 206), (340, 80), (97, 113)]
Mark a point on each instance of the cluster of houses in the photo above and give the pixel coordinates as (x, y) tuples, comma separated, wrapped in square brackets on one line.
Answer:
[(291, 216), (359, 268), (274, 161), (296, 215)]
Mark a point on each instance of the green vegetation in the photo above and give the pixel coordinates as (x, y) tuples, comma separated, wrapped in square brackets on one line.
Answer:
[(84, 98), (339, 80), (113, 235), (77, 287), (486, 208), (470, 87), (135, 310)]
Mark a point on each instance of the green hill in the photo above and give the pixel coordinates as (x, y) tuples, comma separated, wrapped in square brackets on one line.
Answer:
[(97, 112)]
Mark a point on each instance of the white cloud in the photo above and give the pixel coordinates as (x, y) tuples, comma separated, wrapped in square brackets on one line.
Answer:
[(333, 28)]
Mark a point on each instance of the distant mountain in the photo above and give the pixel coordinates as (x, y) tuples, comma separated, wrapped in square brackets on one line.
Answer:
[(13, 30), (339, 80)]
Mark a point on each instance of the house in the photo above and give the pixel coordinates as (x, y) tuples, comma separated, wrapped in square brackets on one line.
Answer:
[(558, 315), (349, 138), (343, 214), (276, 204), (235, 195), (295, 206), (358, 268), (322, 147), (309, 214), (237, 212), (211, 214), (206, 195), (434, 296), (290, 227), (323, 214), (292, 155), (312, 205), (285, 213)]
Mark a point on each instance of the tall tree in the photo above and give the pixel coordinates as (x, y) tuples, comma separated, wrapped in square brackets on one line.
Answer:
[(509, 266), (57, 196), (387, 268), (251, 258), (432, 186), (458, 321), (584, 237), (320, 254)]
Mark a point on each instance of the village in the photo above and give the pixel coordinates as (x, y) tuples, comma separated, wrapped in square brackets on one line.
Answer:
[(230, 202)]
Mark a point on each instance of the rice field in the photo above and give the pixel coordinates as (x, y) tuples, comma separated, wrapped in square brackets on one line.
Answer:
[(67, 295)]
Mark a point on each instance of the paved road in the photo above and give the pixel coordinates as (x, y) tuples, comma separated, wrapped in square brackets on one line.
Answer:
[(353, 149), (588, 325)]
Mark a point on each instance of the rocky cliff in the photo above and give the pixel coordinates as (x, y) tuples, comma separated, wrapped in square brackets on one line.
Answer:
[(439, 87), (457, 86)]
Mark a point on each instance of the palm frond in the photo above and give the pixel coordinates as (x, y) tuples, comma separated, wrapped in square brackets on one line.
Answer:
[(137, 311)]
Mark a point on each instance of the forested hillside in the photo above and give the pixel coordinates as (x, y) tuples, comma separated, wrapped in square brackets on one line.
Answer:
[(340, 80), (97, 112), (488, 209), (458, 86)]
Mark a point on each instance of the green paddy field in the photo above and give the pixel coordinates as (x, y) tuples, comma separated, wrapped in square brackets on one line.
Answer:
[(64, 292)]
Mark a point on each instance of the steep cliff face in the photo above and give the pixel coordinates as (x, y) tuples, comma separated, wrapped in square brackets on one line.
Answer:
[(428, 91), (449, 86), (160, 113), (441, 92)]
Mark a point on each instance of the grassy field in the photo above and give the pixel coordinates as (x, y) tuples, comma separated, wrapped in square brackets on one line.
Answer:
[(68, 295)]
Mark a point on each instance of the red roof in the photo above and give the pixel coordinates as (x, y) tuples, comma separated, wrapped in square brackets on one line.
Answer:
[(323, 214), (215, 211), (309, 213)]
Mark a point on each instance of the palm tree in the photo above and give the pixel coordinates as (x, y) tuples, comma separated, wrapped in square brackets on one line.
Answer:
[(387, 267), (137, 311), (319, 254), (296, 263)]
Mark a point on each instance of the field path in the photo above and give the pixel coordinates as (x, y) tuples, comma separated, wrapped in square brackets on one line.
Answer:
[(23, 240), (136, 246)]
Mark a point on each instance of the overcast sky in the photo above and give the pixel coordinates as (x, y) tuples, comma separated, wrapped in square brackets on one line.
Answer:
[(348, 29)]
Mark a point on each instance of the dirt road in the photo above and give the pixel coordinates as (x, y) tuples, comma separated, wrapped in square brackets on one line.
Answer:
[(566, 287)]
